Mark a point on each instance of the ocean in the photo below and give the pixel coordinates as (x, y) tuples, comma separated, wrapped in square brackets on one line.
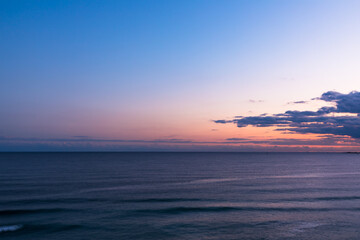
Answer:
[(179, 196)]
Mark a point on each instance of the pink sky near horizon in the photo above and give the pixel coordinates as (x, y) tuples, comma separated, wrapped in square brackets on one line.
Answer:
[(139, 72)]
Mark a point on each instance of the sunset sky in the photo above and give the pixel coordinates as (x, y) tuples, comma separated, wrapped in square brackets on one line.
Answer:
[(180, 75)]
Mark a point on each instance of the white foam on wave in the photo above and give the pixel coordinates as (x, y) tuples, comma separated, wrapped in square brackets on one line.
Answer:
[(10, 228), (301, 227), (146, 186), (315, 175), (297, 228)]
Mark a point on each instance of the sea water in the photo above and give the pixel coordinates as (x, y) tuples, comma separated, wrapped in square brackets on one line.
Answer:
[(179, 196)]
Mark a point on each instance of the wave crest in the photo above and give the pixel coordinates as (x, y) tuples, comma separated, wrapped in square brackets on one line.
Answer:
[(10, 228)]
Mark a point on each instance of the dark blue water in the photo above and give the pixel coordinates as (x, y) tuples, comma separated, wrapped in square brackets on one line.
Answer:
[(179, 196)]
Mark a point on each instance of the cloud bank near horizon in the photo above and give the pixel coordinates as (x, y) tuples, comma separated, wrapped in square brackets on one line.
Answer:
[(86, 143), (341, 119)]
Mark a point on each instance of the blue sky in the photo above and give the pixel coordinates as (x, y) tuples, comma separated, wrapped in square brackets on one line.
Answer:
[(150, 70)]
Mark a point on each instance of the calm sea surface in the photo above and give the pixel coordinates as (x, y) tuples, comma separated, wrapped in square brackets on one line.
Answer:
[(179, 196)]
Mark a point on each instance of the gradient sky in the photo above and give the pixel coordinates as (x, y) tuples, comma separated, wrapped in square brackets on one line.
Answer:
[(154, 75)]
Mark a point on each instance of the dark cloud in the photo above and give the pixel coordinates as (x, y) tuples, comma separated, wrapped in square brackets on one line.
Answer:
[(322, 121), (298, 102), (237, 139), (223, 121), (347, 103), (327, 140)]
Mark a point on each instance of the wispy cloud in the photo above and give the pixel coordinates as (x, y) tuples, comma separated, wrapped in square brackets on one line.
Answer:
[(298, 102), (255, 101), (327, 140)]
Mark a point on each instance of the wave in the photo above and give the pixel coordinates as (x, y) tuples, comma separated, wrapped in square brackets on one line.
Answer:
[(334, 198), (301, 227), (10, 228), (30, 211), (150, 200), (214, 180), (23, 202), (53, 227), (179, 210), (47, 201), (175, 210), (305, 199)]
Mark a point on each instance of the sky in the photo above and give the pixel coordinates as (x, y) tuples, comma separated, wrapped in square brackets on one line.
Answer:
[(168, 75)]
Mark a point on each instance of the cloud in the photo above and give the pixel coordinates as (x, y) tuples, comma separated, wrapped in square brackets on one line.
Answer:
[(342, 119), (237, 139), (298, 102), (325, 143), (223, 121), (348, 103), (327, 140), (255, 101)]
